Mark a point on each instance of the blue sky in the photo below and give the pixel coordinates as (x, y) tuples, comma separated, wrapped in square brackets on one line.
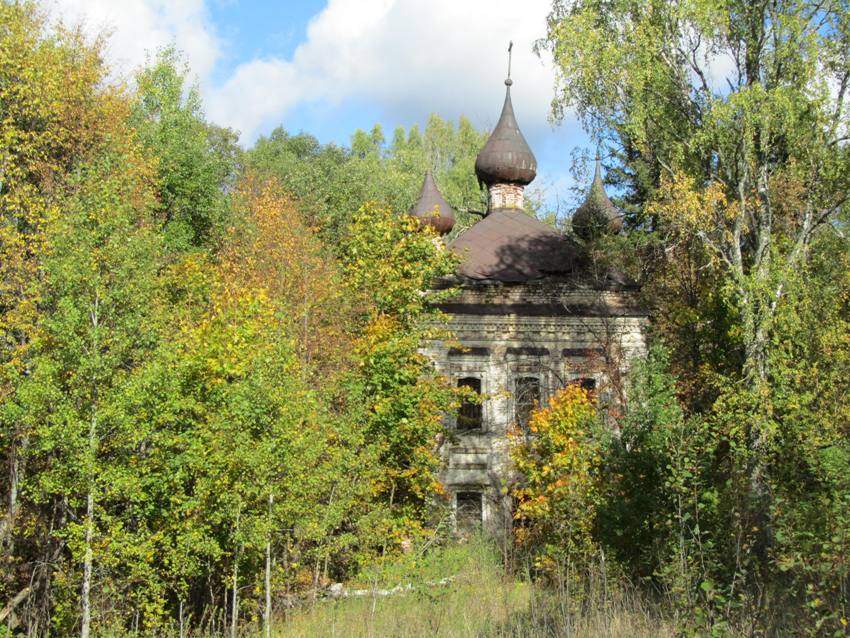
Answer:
[(260, 29), (328, 67)]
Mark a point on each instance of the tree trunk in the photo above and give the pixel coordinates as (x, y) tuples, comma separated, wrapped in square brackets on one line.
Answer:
[(755, 375), (7, 525), (16, 600), (87, 566), (267, 611), (234, 606), (85, 626)]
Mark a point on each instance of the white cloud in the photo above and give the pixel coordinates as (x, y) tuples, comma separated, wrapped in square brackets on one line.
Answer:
[(412, 57), (140, 27), (408, 57)]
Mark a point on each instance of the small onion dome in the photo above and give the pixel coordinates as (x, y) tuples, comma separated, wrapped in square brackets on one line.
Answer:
[(432, 209), (506, 157), (597, 215)]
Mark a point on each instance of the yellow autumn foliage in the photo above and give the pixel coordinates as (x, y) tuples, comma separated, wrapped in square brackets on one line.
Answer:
[(685, 204), (559, 458)]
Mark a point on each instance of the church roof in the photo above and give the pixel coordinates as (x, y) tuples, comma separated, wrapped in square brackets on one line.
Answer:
[(432, 208), (506, 157), (596, 214), (511, 246)]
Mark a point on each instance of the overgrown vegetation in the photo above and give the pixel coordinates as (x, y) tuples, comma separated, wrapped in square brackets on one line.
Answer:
[(212, 402), (727, 124), (463, 590), (201, 398)]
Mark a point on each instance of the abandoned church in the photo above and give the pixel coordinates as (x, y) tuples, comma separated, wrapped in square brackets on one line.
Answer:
[(533, 313)]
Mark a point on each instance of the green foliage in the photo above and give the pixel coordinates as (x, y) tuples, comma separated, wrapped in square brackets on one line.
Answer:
[(809, 451), (389, 263), (332, 182), (99, 316), (52, 117), (683, 86), (244, 451), (393, 263), (194, 388), (645, 467), (558, 497), (741, 177), (207, 373), (197, 161)]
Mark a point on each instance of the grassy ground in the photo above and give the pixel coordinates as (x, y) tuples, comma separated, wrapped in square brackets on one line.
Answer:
[(478, 601)]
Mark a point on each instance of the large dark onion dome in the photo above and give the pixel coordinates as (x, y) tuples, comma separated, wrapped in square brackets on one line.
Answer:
[(432, 209), (597, 215), (506, 157)]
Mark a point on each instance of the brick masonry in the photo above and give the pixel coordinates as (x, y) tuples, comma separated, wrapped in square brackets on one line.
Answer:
[(563, 333)]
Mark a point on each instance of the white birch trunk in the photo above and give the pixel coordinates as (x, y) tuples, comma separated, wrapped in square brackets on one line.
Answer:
[(267, 611), (85, 626), (88, 558), (234, 608)]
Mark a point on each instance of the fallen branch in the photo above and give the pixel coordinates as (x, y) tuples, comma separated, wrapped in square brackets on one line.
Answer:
[(337, 590), (17, 600)]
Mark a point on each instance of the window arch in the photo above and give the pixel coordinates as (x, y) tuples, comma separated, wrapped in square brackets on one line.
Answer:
[(527, 397), (469, 416)]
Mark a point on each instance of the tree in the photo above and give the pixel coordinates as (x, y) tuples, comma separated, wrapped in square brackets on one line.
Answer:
[(196, 161), (330, 182), (98, 321), (750, 162), (244, 388), (810, 382), (58, 115), (390, 264), (271, 245), (558, 495), (48, 83)]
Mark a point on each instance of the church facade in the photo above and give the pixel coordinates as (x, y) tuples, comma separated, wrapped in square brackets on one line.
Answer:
[(532, 314)]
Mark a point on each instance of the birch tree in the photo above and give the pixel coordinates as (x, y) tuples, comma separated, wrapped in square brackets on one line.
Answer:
[(727, 123), (98, 322), (51, 120), (730, 119)]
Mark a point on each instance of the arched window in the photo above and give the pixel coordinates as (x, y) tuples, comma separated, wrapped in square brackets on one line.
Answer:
[(526, 399), (469, 415), (469, 510)]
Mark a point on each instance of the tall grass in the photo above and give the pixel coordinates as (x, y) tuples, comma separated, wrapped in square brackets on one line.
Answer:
[(478, 599), (455, 591)]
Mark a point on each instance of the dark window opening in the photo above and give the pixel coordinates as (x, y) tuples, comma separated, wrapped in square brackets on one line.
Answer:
[(529, 351), (588, 384), (465, 351), (526, 399), (583, 352), (469, 510), (469, 415)]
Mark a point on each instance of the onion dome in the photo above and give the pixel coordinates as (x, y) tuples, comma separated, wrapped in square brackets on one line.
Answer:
[(432, 209), (597, 215), (506, 157)]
